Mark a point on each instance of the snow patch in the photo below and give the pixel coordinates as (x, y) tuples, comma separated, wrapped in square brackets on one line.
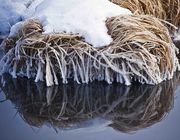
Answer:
[(177, 36), (10, 13), (15, 29), (31, 8), (84, 17)]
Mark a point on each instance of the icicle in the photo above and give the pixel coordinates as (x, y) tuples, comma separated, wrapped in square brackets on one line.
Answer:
[(64, 69), (75, 72), (61, 66), (87, 70), (80, 72), (13, 73), (125, 75), (54, 74), (49, 76), (107, 76), (39, 75)]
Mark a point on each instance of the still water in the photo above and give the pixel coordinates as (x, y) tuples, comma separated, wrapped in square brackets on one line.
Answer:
[(98, 111)]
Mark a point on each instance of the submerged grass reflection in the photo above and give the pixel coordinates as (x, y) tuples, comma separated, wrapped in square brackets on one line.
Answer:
[(129, 108)]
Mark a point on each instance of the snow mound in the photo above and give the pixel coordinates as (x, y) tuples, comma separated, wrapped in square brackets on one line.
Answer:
[(177, 36), (10, 13), (84, 17)]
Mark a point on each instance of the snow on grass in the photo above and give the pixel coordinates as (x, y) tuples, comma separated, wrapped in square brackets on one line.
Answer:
[(84, 17)]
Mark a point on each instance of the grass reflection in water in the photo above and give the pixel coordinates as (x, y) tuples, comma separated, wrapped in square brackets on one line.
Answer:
[(129, 108)]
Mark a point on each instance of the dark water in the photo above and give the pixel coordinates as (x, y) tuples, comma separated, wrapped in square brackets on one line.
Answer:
[(97, 111)]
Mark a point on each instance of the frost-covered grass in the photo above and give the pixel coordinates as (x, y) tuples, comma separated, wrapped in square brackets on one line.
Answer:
[(87, 40), (142, 50)]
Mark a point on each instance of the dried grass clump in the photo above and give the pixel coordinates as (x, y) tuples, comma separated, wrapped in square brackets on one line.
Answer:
[(145, 7), (172, 8), (70, 106), (168, 10), (141, 50)]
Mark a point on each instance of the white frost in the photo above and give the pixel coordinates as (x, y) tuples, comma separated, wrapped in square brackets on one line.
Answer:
[(177, 36)]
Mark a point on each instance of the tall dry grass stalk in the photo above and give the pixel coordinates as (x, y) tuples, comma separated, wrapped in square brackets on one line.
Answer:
[(70, 106), (142, 50), (168, 10)]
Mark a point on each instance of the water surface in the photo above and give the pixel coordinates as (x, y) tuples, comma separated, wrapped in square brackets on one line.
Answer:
[(30, 111)]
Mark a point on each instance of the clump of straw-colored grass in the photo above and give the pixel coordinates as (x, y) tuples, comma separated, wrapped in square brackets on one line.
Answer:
[(142, 50), (145, 7), (129, 108), (168, 10), (172, 8)]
